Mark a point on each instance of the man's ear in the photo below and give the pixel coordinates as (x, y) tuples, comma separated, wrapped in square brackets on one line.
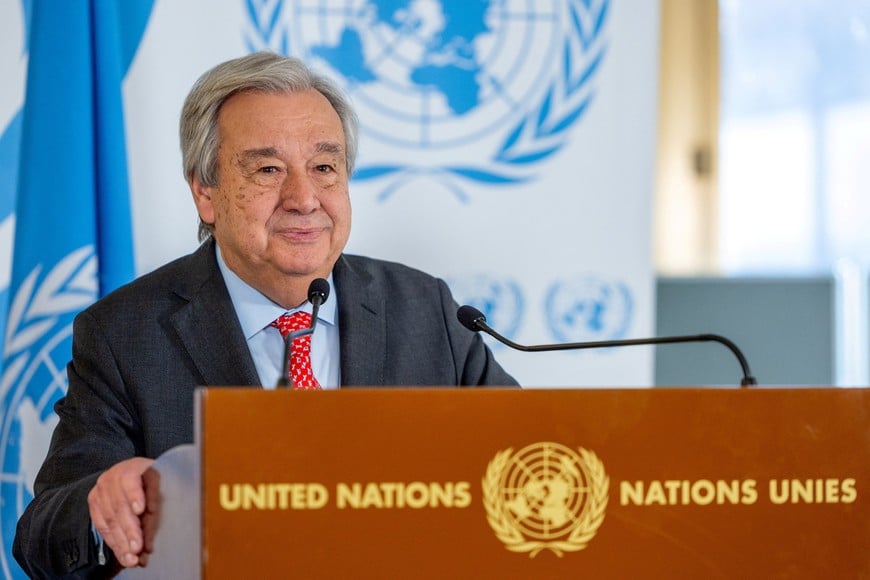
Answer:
[(202, 197)]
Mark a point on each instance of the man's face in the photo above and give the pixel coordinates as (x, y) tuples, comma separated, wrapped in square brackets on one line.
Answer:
[(281, 210)]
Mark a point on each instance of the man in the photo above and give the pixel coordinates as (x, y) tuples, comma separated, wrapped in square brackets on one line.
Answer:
[(267, 149)]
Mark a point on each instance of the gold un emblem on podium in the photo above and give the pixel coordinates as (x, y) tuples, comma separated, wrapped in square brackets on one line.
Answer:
[(546, 496)]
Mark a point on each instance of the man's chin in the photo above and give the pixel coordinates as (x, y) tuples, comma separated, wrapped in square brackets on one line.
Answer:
[(308, 269)]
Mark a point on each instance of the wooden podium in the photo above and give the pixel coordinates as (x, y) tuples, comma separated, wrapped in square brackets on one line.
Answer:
[(498, 483)]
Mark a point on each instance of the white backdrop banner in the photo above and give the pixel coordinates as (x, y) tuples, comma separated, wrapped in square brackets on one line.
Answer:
[(506, 146)]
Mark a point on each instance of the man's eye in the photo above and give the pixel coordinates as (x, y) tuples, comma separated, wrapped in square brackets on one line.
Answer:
[(269, 169), (324, 168)]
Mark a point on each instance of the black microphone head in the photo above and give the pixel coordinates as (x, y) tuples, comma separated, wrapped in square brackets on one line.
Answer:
[(318, 290), (469, 316)]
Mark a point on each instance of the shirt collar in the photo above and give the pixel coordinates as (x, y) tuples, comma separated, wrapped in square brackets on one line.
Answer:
[(256, 312)]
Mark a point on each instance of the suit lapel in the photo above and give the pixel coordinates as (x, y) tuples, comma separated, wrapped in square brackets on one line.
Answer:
[(363, 326), (209, 328)]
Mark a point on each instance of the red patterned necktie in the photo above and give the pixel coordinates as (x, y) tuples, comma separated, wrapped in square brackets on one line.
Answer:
[(300, 357)]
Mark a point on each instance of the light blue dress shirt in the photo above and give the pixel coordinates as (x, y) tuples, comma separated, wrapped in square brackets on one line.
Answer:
[(256, 313)]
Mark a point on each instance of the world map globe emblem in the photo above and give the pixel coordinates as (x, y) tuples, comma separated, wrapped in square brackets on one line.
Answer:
[(545, 496), (494, 86), (545, 490), (436, 72)]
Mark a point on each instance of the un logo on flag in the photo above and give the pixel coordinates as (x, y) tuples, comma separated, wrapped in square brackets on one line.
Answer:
[(460, 92), (37, 346)]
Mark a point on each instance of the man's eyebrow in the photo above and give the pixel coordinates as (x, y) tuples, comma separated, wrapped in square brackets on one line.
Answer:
[(251, 154), (329, 147), (333, 147)]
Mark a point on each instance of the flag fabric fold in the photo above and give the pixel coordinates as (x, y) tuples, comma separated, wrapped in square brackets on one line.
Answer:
[(73, 235)]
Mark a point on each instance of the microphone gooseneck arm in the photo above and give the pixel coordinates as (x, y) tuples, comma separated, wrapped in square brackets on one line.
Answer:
[(475, 320)]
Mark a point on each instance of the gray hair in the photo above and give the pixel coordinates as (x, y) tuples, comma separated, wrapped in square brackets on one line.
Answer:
[(259, 72)]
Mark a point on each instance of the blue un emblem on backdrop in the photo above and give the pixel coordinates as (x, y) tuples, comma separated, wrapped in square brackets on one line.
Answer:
[(499, 299), (589, 308), (493, 86)]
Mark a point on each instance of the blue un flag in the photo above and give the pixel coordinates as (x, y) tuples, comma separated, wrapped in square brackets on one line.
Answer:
[(73, 239)]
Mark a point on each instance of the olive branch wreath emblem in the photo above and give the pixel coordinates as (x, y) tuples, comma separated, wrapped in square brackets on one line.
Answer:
[(36, 309), (539, 134), (584, 528)]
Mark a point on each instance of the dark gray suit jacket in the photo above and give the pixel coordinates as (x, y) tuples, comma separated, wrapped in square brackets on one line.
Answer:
[(139, 353)]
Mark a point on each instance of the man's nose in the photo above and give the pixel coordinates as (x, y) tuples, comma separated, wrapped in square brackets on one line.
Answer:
[(299, 193)]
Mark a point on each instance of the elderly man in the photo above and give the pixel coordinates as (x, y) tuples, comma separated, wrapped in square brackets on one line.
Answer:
[(268, 148)]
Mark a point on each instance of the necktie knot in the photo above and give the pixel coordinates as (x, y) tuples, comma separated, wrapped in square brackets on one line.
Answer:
[(301, 373), (287, 323)]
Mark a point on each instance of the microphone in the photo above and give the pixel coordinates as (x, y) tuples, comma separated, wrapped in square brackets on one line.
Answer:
[(474, 320), (318, 292)]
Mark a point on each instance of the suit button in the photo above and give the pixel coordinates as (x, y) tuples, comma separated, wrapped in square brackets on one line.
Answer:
[(72, 553)]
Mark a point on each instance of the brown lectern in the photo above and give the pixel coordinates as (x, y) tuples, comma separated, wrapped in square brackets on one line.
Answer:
[(492, 483)]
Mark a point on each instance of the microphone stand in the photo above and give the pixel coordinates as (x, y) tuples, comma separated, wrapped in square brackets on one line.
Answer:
[(480, 323), (284, 381)]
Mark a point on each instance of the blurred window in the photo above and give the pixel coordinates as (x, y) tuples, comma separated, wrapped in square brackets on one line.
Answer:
[(794, 141)]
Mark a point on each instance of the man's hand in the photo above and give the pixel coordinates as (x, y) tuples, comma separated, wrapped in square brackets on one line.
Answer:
[(151, 518), (116, 503)]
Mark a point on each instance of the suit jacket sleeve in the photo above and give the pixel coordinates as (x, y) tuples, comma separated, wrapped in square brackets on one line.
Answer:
[(96, 429)]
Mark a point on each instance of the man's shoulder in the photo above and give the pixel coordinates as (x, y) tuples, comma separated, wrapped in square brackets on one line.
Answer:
[(174, 280), (360, 277), (383, 269)]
